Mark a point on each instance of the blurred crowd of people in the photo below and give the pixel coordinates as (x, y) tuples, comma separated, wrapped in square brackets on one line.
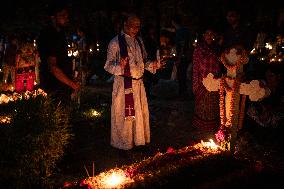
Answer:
[(189, 56)]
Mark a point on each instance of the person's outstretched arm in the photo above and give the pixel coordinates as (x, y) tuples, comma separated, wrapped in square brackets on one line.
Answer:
[(57, 72)]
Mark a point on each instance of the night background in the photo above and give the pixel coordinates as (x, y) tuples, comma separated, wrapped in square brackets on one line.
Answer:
[(99, 16), (43, 146)]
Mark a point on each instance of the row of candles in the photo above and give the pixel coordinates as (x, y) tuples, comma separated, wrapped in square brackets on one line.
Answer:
[(72, 51), (272, 56), (6, 98), (5, 119), (119, 178)]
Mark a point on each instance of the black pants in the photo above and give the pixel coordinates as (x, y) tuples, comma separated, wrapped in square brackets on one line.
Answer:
[(149, 80)]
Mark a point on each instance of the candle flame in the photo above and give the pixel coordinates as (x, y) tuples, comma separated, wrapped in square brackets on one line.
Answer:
[(208, 146), (268, 46), (5, 119), (70, 52), (114, 178), (252, 51), (6, 98), (95, 113), (211, 144)]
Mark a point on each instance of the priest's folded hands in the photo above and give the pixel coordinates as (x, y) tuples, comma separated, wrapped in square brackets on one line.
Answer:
[(123, 62)]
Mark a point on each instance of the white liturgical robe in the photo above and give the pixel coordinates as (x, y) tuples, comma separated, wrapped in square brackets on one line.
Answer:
[(125, 133)]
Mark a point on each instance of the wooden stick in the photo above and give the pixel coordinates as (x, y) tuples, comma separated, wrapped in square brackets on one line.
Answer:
[(93, 168), (242, 112), (86, 170)]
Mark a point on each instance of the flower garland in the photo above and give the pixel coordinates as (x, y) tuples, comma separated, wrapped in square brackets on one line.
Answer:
[(234, 90), (223, 136), (226, 123), (227, 133), (222, 103), (242, 60)]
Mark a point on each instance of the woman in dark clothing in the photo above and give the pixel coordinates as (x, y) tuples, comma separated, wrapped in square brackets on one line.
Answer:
[(206, 60), (270, 111)]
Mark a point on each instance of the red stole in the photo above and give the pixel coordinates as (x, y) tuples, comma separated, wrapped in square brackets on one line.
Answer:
[(129, 100)]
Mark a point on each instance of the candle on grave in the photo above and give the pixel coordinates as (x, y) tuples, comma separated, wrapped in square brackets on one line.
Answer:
[(158, 56)]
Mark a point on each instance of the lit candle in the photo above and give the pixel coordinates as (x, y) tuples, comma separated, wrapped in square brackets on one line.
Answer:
[(98, 45), (95, 113), (158, 56)]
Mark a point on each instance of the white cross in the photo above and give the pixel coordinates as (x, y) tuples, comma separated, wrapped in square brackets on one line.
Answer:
[(129, 109), (252, 89)]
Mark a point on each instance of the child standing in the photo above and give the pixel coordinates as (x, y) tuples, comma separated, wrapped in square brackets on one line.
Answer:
[(26, 60)]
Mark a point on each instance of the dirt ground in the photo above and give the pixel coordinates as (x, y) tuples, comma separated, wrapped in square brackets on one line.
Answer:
[(170, 122), (170, 119)]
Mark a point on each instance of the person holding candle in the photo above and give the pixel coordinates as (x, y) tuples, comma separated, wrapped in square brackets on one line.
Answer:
[(126, 60)]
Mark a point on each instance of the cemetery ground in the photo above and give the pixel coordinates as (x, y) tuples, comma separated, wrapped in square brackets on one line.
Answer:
[(170, 120), (257, 163)]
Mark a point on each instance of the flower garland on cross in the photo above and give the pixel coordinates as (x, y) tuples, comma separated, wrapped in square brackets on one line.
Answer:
[(232, 95)]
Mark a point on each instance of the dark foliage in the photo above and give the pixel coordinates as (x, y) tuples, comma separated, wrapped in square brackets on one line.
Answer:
[(33, 142)]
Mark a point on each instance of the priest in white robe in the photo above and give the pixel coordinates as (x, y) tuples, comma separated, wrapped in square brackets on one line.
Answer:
[(126, 60)]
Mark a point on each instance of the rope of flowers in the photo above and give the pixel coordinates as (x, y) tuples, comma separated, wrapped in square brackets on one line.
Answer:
[(223, 136), (222, 103), (234, 90), (242, 60)]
